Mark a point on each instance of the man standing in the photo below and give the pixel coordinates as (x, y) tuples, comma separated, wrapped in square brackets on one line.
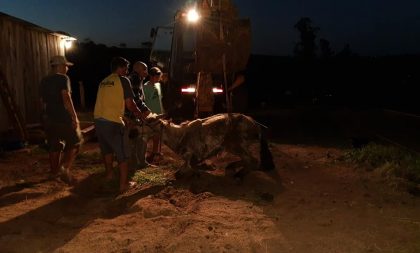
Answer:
[(138, 145), (60, 118), (114, 95), (153, 100), (137, 77), (238, 94)]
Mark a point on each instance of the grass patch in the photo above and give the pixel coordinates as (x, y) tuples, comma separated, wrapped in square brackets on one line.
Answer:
[(390, 160), (89, 156), (86, 160), (90, 162), (150, 176), (94, 169)]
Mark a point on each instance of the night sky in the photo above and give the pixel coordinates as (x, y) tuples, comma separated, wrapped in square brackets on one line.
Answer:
[(370, 27)]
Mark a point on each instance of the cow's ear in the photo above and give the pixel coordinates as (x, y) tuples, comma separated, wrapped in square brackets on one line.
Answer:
[(161, 116), (165, 122)]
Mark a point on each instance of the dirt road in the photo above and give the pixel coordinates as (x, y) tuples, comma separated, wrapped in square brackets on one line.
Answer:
[(313, 202)]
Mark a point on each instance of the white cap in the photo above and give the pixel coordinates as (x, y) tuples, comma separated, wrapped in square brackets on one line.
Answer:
[(59, 60)]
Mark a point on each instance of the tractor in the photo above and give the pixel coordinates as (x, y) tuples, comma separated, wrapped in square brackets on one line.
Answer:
[(200, 54)]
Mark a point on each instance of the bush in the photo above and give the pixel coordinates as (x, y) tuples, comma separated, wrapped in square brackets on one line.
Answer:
[(389, 159)]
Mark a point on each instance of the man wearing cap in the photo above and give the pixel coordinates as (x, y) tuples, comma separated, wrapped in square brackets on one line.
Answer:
[(114, 95), (60, 118)]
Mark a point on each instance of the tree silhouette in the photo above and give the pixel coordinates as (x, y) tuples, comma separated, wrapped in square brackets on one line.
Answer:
[(326, 51), (306, 47), (346, 52), (88, 41), (146, 44)]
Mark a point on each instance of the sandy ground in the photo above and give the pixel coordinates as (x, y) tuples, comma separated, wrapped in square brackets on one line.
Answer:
[(312, 202)]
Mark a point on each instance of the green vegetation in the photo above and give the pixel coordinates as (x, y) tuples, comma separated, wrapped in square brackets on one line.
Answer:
[(94, 169), (150, 176), (89, 156), (90, 162), (389, 160)]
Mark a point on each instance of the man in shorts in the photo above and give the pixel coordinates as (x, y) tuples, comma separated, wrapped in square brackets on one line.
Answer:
[(114, 95), (60, 118)]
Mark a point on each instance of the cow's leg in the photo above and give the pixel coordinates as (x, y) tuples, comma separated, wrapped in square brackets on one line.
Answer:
[(233, 165), (232, 168), (188, 169), (138, 148), (248, 161)]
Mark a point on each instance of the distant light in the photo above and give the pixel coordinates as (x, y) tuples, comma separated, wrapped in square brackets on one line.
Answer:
[(192, 16), (193, 90), (188, 90), (67, 42), (217, 90)]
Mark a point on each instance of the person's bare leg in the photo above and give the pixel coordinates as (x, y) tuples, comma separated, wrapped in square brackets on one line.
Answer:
[(124, 185), (155, 149), (68, 158), (54, 162), (108, 162), (133, 161), (141, 147)]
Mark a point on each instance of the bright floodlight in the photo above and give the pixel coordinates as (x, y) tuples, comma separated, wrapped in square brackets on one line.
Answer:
[(68, 44), (192, 16)]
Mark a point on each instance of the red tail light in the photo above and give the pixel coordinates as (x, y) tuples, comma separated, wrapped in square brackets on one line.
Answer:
[(190, 90)]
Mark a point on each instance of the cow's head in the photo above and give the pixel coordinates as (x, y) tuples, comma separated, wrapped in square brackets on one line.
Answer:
[(147, 127), (154, 121)]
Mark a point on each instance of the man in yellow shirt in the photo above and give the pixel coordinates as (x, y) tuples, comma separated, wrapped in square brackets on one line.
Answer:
[(114, 95)]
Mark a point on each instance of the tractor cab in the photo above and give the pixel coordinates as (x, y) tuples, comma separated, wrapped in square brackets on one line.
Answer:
[(207, 44)]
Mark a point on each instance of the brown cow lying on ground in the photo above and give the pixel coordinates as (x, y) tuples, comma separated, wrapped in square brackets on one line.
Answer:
[(201, 139)]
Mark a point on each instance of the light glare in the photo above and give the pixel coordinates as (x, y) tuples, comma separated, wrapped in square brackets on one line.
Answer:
[(68, 44), (192, 15), (217, 90), (188, 90)]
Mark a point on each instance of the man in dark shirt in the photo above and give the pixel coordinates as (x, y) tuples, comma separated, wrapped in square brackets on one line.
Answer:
[(137, 77), (60, 118), (138, 146)]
